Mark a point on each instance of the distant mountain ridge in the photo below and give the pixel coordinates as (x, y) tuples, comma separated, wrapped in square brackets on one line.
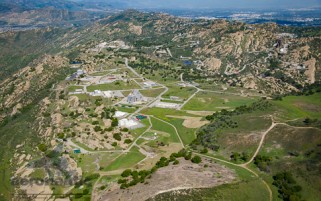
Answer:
[(22, 5)]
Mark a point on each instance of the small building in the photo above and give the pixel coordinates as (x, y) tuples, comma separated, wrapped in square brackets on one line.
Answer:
[(96, 93), (113, 94), (140, 117), (77, 151), (175, 98), (80, 72), (134, 97), (129, 123), (119, 114), (187, 63), (149, 84)]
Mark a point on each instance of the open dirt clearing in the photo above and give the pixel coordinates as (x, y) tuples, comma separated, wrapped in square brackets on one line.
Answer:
[(200, 113), (191, 122), (186, 175)]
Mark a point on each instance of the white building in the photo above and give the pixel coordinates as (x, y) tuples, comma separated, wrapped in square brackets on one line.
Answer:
[(134, 97), (149, 84), (113, 94), (96, 93), (129, 123), (119, 114), (167, 105)]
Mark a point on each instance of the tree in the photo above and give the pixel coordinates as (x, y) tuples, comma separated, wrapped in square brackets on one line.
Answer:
[(126, 173), (42, 147), (61, 135), (204, 151), (114, 122), (188, 156), (97, 128), (196, 159), (128, 141), (117, 136)]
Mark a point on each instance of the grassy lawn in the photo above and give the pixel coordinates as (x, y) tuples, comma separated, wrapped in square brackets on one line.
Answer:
[(82, 97), (113, 86), (126, 160), (100, 73), (73, 88), (245, 138), (290, 150), (243, 190), (163, 127), (152, 92), (88, 162), (127, 109), (209, 101), (182, 92), (187, 134), (283, 139), (292, 107)]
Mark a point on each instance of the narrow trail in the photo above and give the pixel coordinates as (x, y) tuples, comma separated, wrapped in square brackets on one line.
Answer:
[(244, 166), (179, 137), (260, 144)]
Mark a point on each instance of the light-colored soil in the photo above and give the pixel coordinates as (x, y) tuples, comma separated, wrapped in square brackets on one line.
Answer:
[(186, 175), (200, 113), (165, 151), (310, 72), (191, 122)]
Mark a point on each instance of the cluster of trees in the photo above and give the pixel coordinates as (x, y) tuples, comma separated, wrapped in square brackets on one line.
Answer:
[(237, 157), (87, 182), (74, 115), (262, 162), (117, 136), (287, 186), (108, 113), (207, 135), (305, 91), (139, 177), (148, 67)]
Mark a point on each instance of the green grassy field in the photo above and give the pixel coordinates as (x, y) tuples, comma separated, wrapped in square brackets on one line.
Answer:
[(126, 160), (151, 92), (243, 190), (127, 109), (82, 97), (113, 86), (209, 101), (161, 126), (245, 137), (181, 92), (296, 150), (292, 107), (187, 134), (87, 162), (73, 88)]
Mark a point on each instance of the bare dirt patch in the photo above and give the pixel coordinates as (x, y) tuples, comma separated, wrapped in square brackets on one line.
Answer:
[(308, 107), (310, 73), (191, 122), (200, 113), (186, 175)]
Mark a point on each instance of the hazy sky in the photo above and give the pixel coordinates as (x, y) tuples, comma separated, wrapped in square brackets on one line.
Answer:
[(220, 3)]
